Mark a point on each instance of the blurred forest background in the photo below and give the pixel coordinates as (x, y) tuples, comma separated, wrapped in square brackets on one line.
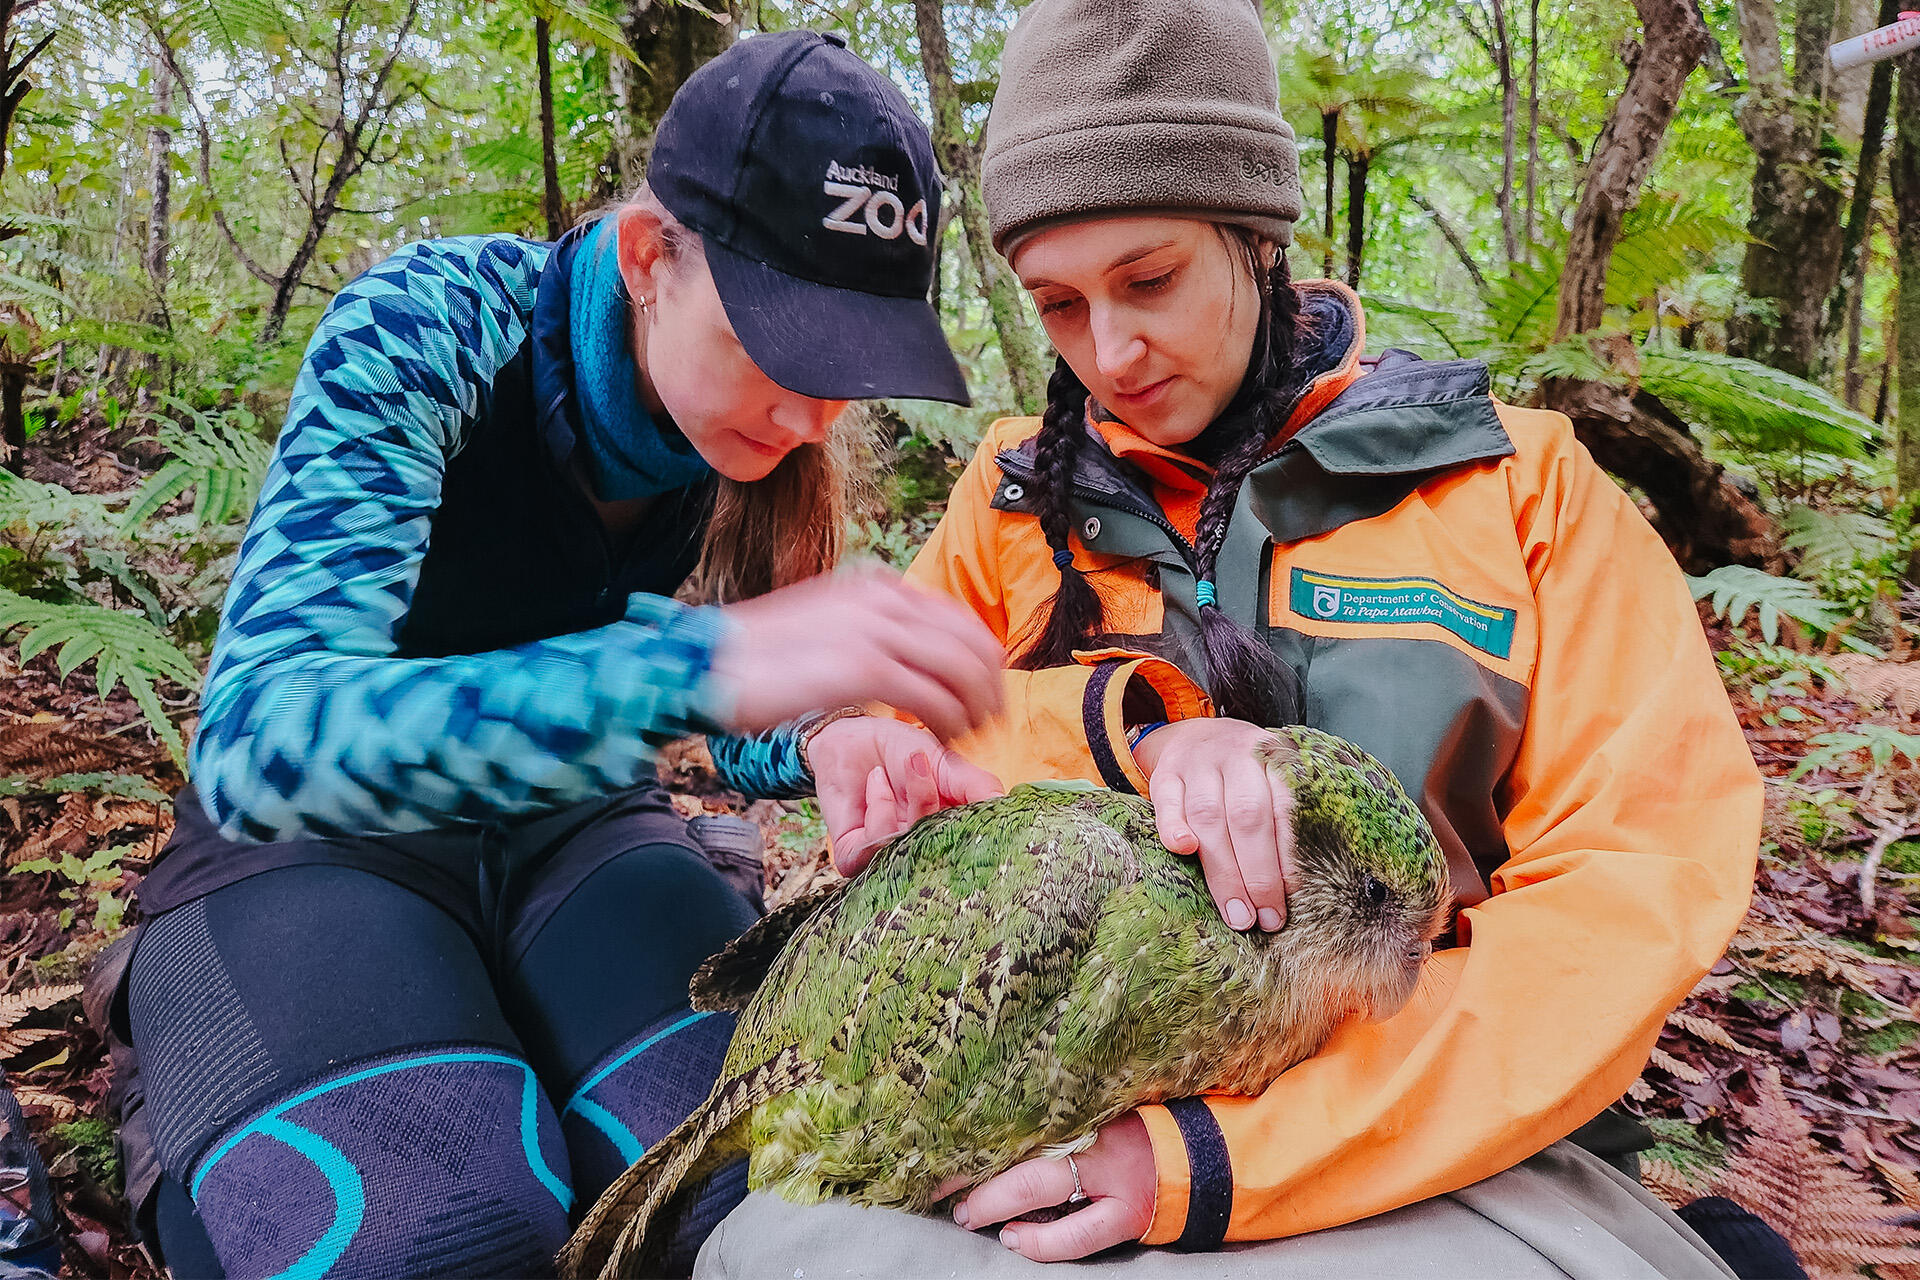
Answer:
[(1669, 218)]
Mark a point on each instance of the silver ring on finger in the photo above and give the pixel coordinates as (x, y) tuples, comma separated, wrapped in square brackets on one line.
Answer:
[(1073, 1167)]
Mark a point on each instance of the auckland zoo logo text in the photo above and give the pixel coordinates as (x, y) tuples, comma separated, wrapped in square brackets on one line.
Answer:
[(870, 204)]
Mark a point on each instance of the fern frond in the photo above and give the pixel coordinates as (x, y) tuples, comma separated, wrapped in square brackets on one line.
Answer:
[(1449, 330), (124, 648), (1661, 241), (1826, 538), (1667, 1181), (1904, 1181), (63, 1107), (217, 456), (1880, 742), (17, 1040), (1755, 406), (16, 1005), (1872, 680), (1707, 1031), (1573, 358), (1738, 589), (1834, 1219), (48, 748), (1521, 305), (1675, 1067), (31, 505)]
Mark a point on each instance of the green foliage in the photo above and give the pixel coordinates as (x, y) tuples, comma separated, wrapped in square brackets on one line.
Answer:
[(90, 879), (218, 455), (1824, 818), (124, 648), (1693, 1151), (130, 786), (1830, 537), (1737, 590), (1880, 742), (1755, 407), (91, 1139), (1772, 676)]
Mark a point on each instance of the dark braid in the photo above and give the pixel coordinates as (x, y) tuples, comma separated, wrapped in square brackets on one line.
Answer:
[(1076, 611), (1245, 680)]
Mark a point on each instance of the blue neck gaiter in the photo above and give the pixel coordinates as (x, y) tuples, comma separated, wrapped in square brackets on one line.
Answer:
[(627, 453)]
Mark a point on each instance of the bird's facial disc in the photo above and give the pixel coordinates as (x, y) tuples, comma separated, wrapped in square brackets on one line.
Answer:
[(1399, 917)]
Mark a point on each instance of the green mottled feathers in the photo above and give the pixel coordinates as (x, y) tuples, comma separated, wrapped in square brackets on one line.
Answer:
[(1011, 975)]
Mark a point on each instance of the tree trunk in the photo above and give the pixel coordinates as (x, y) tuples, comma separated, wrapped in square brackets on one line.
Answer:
[(960, 157), (1703, 517), (1623, 154), (1455, 240), (556, 208), (671, 42), (14, 85), (1844, 309), (1357, 167), (1329, 143), (1533, 120), (626, 160), (1793, 262), (13, 418), (160, 183), (1503, 63), (1905, 352)]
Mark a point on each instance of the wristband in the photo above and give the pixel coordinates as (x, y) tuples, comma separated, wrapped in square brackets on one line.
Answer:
[(1138, 733)]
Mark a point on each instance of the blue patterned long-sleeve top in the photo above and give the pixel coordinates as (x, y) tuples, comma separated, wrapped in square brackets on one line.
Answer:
[(428, 623)]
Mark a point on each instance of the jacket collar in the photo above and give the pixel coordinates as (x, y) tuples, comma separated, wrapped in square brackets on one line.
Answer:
[(1365, 432)]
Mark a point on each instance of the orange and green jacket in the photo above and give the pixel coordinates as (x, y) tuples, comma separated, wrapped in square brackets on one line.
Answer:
[(1468, 596)]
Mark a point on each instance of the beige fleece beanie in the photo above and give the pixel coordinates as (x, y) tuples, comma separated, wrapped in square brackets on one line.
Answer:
[(1168, 106)]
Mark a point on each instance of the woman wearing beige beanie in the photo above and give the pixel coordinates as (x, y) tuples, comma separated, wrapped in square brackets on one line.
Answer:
[(1227, 518)]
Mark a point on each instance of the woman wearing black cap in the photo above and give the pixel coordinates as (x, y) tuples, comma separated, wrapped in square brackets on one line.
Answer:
[(413, 981)]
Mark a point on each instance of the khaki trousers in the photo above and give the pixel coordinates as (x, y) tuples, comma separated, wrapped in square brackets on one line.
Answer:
[(1564, 1213)]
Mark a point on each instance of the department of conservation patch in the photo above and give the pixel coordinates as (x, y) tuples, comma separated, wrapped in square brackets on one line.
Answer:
[(1396, 601)]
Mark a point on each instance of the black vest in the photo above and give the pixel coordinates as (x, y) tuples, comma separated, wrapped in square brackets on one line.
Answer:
[(516, 551)]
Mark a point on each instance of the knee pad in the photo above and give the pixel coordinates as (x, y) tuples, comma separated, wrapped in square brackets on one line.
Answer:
[(635, 1095), (440, 1163)]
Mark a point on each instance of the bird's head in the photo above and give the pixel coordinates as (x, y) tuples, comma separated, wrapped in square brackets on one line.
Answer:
[(1371, 885)]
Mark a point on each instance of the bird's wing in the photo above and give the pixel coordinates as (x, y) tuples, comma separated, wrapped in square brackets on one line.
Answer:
[(729, 980)]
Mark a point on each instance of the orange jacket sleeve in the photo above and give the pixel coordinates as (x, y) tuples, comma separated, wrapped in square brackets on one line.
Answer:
[(1060, 722), (1632, 816)]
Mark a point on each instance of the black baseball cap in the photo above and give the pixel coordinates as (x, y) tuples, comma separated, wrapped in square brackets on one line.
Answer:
[(814, 189)]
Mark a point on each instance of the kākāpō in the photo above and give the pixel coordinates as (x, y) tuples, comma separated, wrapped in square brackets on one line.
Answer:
[(1008, 976)]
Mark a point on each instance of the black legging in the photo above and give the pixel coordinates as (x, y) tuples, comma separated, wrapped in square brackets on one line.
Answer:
[(348, 1081)]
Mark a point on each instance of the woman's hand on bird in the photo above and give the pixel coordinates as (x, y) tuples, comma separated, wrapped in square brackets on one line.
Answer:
[(857, 637), (877, 776), (1116, 1176), (1212, 796)]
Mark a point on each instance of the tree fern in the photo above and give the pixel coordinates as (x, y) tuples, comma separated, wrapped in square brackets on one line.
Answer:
[(1829, 538), (124, 648), (1753, 405), (1661, 243), (1429, 330), (1521, 306), (215, 455), (1737, 590)]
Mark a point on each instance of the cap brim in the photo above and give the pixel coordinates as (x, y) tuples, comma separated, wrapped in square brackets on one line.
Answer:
[(831, 343)]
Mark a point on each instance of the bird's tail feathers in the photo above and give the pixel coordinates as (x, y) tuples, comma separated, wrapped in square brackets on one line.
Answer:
[(617, 1229)]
